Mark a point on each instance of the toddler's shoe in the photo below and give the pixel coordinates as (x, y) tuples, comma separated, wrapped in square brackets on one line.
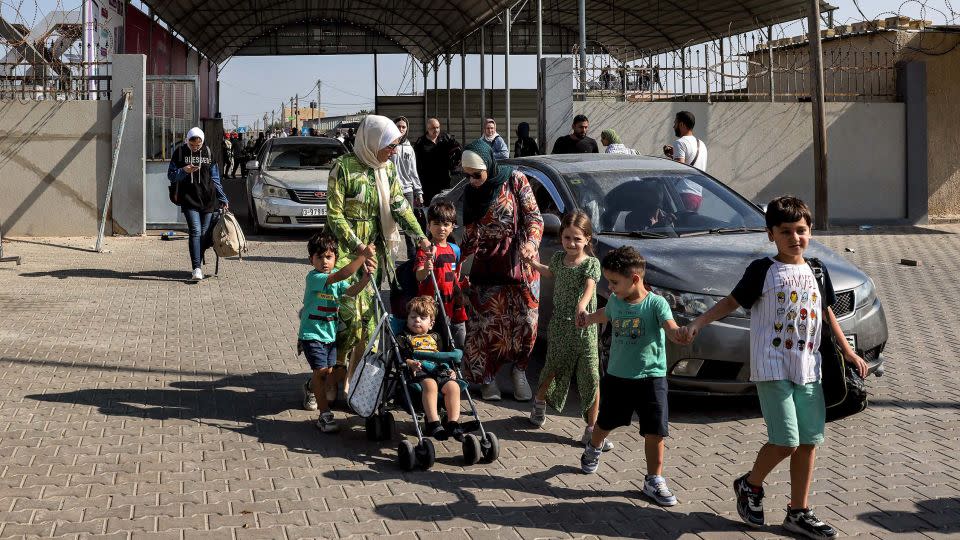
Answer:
[(326, 423), (590, 460), (309, 400), (655, 487), (749, 501), (436, 430), (455, 430), (538, 415), (588, 434), (803, 522)]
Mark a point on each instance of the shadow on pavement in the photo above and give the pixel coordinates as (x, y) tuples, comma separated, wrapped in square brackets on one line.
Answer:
[(585, 513), (880, 230), (244, 404), (912, 404), (939, 515), (103, 273)]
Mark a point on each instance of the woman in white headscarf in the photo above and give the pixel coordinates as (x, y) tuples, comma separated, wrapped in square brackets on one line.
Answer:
[(195, 187), (365, 204)]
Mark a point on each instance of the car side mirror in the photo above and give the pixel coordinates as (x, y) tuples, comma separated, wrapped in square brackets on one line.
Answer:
[(253, 165), (551, 224)]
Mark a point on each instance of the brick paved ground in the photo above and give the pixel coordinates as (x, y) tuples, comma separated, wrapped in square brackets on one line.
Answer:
[(133, 405)]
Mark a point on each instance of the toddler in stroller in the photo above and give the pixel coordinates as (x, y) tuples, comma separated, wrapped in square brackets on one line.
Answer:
[(414, 360)]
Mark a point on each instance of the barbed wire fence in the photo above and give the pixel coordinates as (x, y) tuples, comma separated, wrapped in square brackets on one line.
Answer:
[(859, 60)]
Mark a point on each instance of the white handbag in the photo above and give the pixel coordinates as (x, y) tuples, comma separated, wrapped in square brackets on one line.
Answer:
[(366, 384)]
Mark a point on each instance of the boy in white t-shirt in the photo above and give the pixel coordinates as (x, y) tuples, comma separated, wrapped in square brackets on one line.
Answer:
[(787, 313)]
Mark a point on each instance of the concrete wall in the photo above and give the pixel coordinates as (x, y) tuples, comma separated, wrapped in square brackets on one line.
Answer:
[(763, 150), (54, 164)]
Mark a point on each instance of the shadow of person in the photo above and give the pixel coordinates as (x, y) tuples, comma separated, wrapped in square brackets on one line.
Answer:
[(255, 405), (938, 515), (103, 273), (583, 510)]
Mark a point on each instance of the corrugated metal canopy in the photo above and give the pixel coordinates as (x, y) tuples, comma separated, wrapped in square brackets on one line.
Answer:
[(427, 28)]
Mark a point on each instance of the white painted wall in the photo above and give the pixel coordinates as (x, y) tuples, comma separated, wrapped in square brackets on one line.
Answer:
[(764, 150)]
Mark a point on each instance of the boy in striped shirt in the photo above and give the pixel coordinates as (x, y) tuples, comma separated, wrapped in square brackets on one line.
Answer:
[(787, 313)]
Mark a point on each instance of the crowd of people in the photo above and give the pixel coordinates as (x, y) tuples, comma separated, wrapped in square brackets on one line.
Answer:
[(492, 308)]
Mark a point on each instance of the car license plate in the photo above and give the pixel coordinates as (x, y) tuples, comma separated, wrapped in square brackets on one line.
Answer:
[(314, 212), (852, 340)]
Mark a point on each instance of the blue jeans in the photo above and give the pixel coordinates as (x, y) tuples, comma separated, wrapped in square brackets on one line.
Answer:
[(200, 234)]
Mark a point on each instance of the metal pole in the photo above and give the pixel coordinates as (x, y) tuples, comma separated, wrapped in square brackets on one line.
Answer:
[(821, 217), (773, 96), (723, 78), (376, 85), (436, 85), (683, 72), (463, 92), (426, 114), (650, 73), (706, 68), (449, 59), (541, 127), (127, 95), (582, 15), (483, 76), (506, 72)]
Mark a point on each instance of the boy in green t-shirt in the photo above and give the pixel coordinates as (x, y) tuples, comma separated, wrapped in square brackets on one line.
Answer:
[(636, 378), (318, 318)]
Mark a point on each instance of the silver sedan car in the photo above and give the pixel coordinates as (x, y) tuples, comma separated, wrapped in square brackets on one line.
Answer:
[(694, 256), (288, 182)]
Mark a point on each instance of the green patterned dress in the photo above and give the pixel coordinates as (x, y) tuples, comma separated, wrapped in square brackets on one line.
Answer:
[(570, 349), (353, 216)]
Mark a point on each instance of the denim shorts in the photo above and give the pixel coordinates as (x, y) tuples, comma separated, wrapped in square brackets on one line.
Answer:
[(319, 355), (794, 413)]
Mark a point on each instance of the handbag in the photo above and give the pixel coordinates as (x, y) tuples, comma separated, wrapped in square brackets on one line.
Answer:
[(174, 195), (366, 384), (844, 390)]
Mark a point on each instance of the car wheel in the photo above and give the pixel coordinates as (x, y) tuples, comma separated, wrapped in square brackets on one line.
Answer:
[(254, 221)]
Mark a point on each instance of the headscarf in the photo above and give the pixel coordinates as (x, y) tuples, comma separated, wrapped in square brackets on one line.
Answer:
[(195, 132), (493, 137), (374, 134), (405, 121), (611, 136), (477, 200), (523, 130)]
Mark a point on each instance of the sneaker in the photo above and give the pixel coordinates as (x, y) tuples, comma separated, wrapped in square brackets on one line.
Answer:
[(326, 423), (538, 416), (655, 487), (197, 274), (490, 391), (521, 388), (588, 435), (590, 459), (309, 400), (749, 501), (805, 523)]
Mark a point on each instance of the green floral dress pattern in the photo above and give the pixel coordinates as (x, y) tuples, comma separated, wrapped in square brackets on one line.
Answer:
[(353, 215), (570, 349)]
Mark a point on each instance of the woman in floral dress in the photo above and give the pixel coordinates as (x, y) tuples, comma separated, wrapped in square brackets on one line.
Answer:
[(503, 227)]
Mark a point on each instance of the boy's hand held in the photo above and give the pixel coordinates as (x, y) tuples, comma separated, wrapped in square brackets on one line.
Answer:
[(858, 363)]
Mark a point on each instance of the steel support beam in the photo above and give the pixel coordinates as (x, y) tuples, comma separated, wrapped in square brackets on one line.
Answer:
[(483, 77), (582, 15), (426, 113), (463, 92), (506, 72), (822, 216), (541, 127), (773, 96), (448, 58)]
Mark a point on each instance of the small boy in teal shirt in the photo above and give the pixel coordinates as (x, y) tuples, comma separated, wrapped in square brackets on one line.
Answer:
[(318, 318), (636, 378)]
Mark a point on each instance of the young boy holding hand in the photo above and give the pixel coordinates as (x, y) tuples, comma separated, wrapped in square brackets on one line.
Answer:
[(787, 314)]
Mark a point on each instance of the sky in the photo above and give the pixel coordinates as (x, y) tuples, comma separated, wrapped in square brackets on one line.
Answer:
[(251, 86)]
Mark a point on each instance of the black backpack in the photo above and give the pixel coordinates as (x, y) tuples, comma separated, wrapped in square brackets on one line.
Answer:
[(844, 390)]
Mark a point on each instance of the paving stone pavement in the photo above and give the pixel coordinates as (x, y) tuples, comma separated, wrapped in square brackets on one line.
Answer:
[(134, 405)]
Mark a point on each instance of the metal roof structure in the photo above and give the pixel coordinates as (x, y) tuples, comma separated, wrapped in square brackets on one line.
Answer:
[(430, 28)]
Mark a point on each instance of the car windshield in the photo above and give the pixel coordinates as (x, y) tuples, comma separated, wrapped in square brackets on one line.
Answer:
[(302, 156), (659, 204)]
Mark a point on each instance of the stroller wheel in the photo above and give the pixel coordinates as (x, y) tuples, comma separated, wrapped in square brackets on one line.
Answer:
[(426, 453), (372, 426), (471, 449), (490, 448), (406, 455), (387, 426)]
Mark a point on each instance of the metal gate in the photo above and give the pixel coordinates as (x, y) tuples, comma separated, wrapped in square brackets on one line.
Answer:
[(173, 107)]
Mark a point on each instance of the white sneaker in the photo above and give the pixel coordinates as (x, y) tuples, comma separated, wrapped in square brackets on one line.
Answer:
[(588, 434), (490, 391), (197, 274), (309, 399), (521, 388)]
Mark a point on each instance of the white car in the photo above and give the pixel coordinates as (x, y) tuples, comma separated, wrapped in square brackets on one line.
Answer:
[(287, 182)]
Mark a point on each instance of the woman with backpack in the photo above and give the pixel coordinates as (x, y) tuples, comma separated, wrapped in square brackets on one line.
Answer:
[(195, 187)]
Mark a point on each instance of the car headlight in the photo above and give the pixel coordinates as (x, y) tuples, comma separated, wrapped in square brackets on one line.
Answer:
[(275, 191), (865, 294), (691, 305)]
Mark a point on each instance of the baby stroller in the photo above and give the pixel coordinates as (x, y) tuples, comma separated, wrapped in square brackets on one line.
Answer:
[(380, 383)]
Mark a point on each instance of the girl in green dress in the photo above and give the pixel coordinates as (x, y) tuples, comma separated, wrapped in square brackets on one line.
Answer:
[(571, 350)]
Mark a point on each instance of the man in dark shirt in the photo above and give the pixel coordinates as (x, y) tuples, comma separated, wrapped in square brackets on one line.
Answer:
[(438, 154), (577, 142)]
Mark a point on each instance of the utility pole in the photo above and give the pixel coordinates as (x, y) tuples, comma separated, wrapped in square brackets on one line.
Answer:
[(821, 219)]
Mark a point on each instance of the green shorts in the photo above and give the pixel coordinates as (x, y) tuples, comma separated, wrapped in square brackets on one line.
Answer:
[(795, 414)]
